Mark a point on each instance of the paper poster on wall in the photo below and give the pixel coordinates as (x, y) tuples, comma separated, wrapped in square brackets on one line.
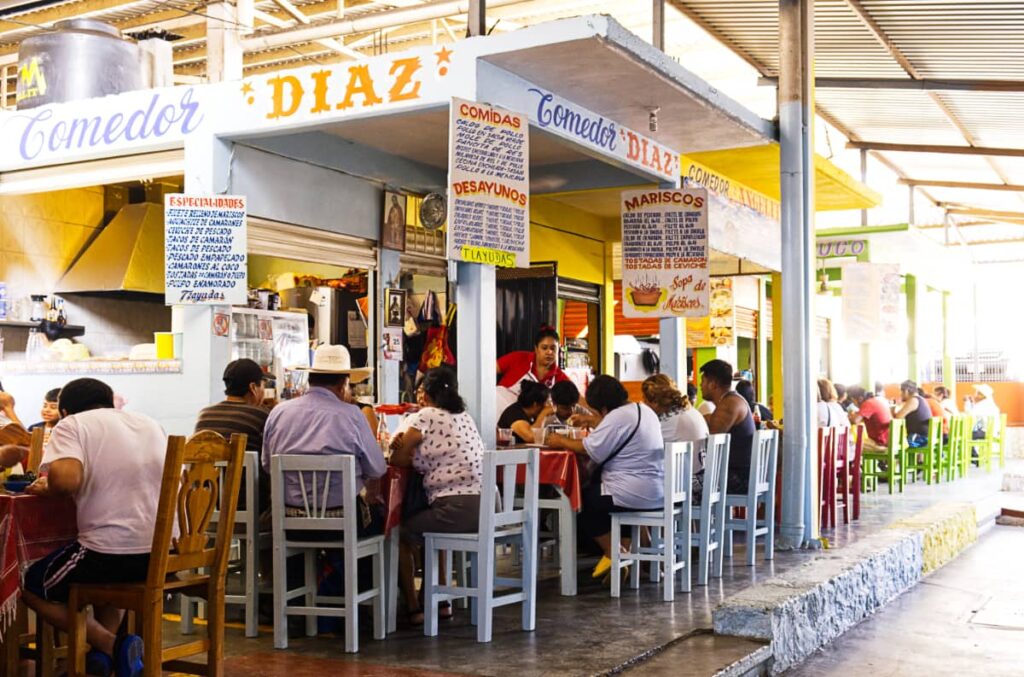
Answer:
[(871, 302), (205, 258), (698, 332), (665, 253), (723, 312), (489, 185), (393, 344)]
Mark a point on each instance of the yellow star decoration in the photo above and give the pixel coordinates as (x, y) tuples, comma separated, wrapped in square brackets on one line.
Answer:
[(443, 56), (246, 88)]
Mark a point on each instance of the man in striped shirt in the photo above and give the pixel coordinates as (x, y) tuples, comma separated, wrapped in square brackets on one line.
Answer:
[(241, 412)]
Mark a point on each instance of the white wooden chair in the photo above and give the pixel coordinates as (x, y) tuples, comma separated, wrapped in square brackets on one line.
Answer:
[(247, 533), (670, 528), (315, 474), (761, 489), (500, 522), (563, 538), (709, 516)]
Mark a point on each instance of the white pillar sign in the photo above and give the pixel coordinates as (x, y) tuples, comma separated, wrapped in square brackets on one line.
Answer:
[(665, 253), (489, 185), (205, 250)]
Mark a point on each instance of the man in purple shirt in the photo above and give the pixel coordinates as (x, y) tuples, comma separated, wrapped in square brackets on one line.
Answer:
[(321, 422)]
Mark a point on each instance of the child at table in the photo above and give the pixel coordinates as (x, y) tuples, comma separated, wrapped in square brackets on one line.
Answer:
[(48, 413)]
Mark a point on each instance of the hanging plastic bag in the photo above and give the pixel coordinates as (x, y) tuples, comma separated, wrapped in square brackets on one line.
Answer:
[(436, 351)]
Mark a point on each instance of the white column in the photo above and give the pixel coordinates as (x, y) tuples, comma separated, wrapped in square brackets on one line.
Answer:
[(673, 349), (796, 119), (475, 293), (223, 42)]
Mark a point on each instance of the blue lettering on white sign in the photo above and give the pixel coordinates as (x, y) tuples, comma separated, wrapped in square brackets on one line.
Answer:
[(154, 121), (595, 129)]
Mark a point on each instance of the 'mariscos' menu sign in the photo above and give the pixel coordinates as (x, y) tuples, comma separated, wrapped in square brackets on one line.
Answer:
[(142, 121)]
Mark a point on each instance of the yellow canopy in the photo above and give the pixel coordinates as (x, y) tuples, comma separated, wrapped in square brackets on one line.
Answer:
[(757, 167)]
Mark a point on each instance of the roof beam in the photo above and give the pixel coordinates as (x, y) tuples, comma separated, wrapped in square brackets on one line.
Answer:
[(934, 148), (959, 224), (982, 243), (996, 214), (925, 84), (1013, 188), (53, 13)]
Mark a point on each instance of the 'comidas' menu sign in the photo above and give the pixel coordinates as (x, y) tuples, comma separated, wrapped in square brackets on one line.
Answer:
[(205, 249), (665, 253), (489, 186)]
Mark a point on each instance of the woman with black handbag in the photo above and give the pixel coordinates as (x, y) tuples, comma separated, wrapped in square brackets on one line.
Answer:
[(627, 456), (441, 443)]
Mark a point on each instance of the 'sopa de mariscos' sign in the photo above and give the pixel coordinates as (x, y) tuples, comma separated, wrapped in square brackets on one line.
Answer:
[(80, 130)]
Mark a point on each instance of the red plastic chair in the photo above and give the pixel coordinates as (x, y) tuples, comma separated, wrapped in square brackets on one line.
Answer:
[(855, 469), (827, 477), (841, 440)]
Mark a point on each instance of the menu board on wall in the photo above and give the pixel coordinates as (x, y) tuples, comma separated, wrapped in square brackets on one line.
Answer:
[(871, 302), (489, 185), (205, 250), (665, 253)]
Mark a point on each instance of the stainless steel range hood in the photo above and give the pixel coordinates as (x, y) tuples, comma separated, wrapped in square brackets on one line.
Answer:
[(127, 255)]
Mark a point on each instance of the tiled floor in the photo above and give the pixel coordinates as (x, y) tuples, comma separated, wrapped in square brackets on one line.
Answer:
[(585, 635)]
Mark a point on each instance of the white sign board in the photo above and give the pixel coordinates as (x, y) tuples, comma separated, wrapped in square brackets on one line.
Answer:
[(205, 249), (489, 185), (665, 267), (871, 302)]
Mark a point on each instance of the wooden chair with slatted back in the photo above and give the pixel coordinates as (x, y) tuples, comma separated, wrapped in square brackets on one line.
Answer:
[(35, 450), (188, 491)]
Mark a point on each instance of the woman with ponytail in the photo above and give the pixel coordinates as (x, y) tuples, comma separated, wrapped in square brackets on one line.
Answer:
[(540, 364), (441, 443)]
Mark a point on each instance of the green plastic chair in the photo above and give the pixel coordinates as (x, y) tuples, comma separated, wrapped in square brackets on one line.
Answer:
[(933, 451), (984, 445), (962, 442), (999, 440), (871, 461)]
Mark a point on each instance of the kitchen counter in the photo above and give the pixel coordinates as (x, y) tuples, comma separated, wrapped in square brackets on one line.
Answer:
[(92, 367)]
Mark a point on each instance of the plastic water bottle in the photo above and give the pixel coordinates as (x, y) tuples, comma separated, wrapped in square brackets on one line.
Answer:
[(384, 436), (3, 300)]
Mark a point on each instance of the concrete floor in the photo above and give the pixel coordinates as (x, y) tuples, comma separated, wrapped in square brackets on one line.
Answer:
[(965, 619), (591, 633)]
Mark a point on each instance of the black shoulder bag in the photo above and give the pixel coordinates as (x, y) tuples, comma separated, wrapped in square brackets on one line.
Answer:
[(592, 471)]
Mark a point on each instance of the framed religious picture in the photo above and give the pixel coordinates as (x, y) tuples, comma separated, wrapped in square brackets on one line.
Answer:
[(394, 307), (392, 231)]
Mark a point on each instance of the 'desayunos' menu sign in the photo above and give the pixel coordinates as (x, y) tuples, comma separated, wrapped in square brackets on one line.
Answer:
[(488, 185), (205, 249), (665, 253)]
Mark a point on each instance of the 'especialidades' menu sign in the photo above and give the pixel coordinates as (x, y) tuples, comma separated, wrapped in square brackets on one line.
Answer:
[(205, 249), (489, 185), (665, 253)]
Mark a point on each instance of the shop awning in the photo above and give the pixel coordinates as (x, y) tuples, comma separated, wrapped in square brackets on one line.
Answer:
[(758, 167)]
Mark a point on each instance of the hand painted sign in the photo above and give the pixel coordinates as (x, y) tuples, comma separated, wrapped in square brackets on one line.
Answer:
[(489, 185), (834, 249), (665, 266), (142, 121), (571, 121), (205, 259), (317, 93)]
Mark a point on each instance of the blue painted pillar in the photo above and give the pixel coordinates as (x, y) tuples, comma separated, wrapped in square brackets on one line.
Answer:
[(475, 294), (388, 371)]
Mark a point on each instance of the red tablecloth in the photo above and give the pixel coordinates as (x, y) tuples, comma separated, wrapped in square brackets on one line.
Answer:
[(561, 469), (393, 488), (30, 528)]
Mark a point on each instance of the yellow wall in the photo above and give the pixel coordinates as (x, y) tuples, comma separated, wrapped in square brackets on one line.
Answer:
[(261, 267), (40, 234), (572, 237)]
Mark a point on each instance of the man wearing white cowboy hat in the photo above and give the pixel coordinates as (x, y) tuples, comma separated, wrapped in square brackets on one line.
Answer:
[(322, 422), (982, 408)]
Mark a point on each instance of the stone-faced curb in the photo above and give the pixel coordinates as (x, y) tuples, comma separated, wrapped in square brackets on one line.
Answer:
[(809, 606)]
